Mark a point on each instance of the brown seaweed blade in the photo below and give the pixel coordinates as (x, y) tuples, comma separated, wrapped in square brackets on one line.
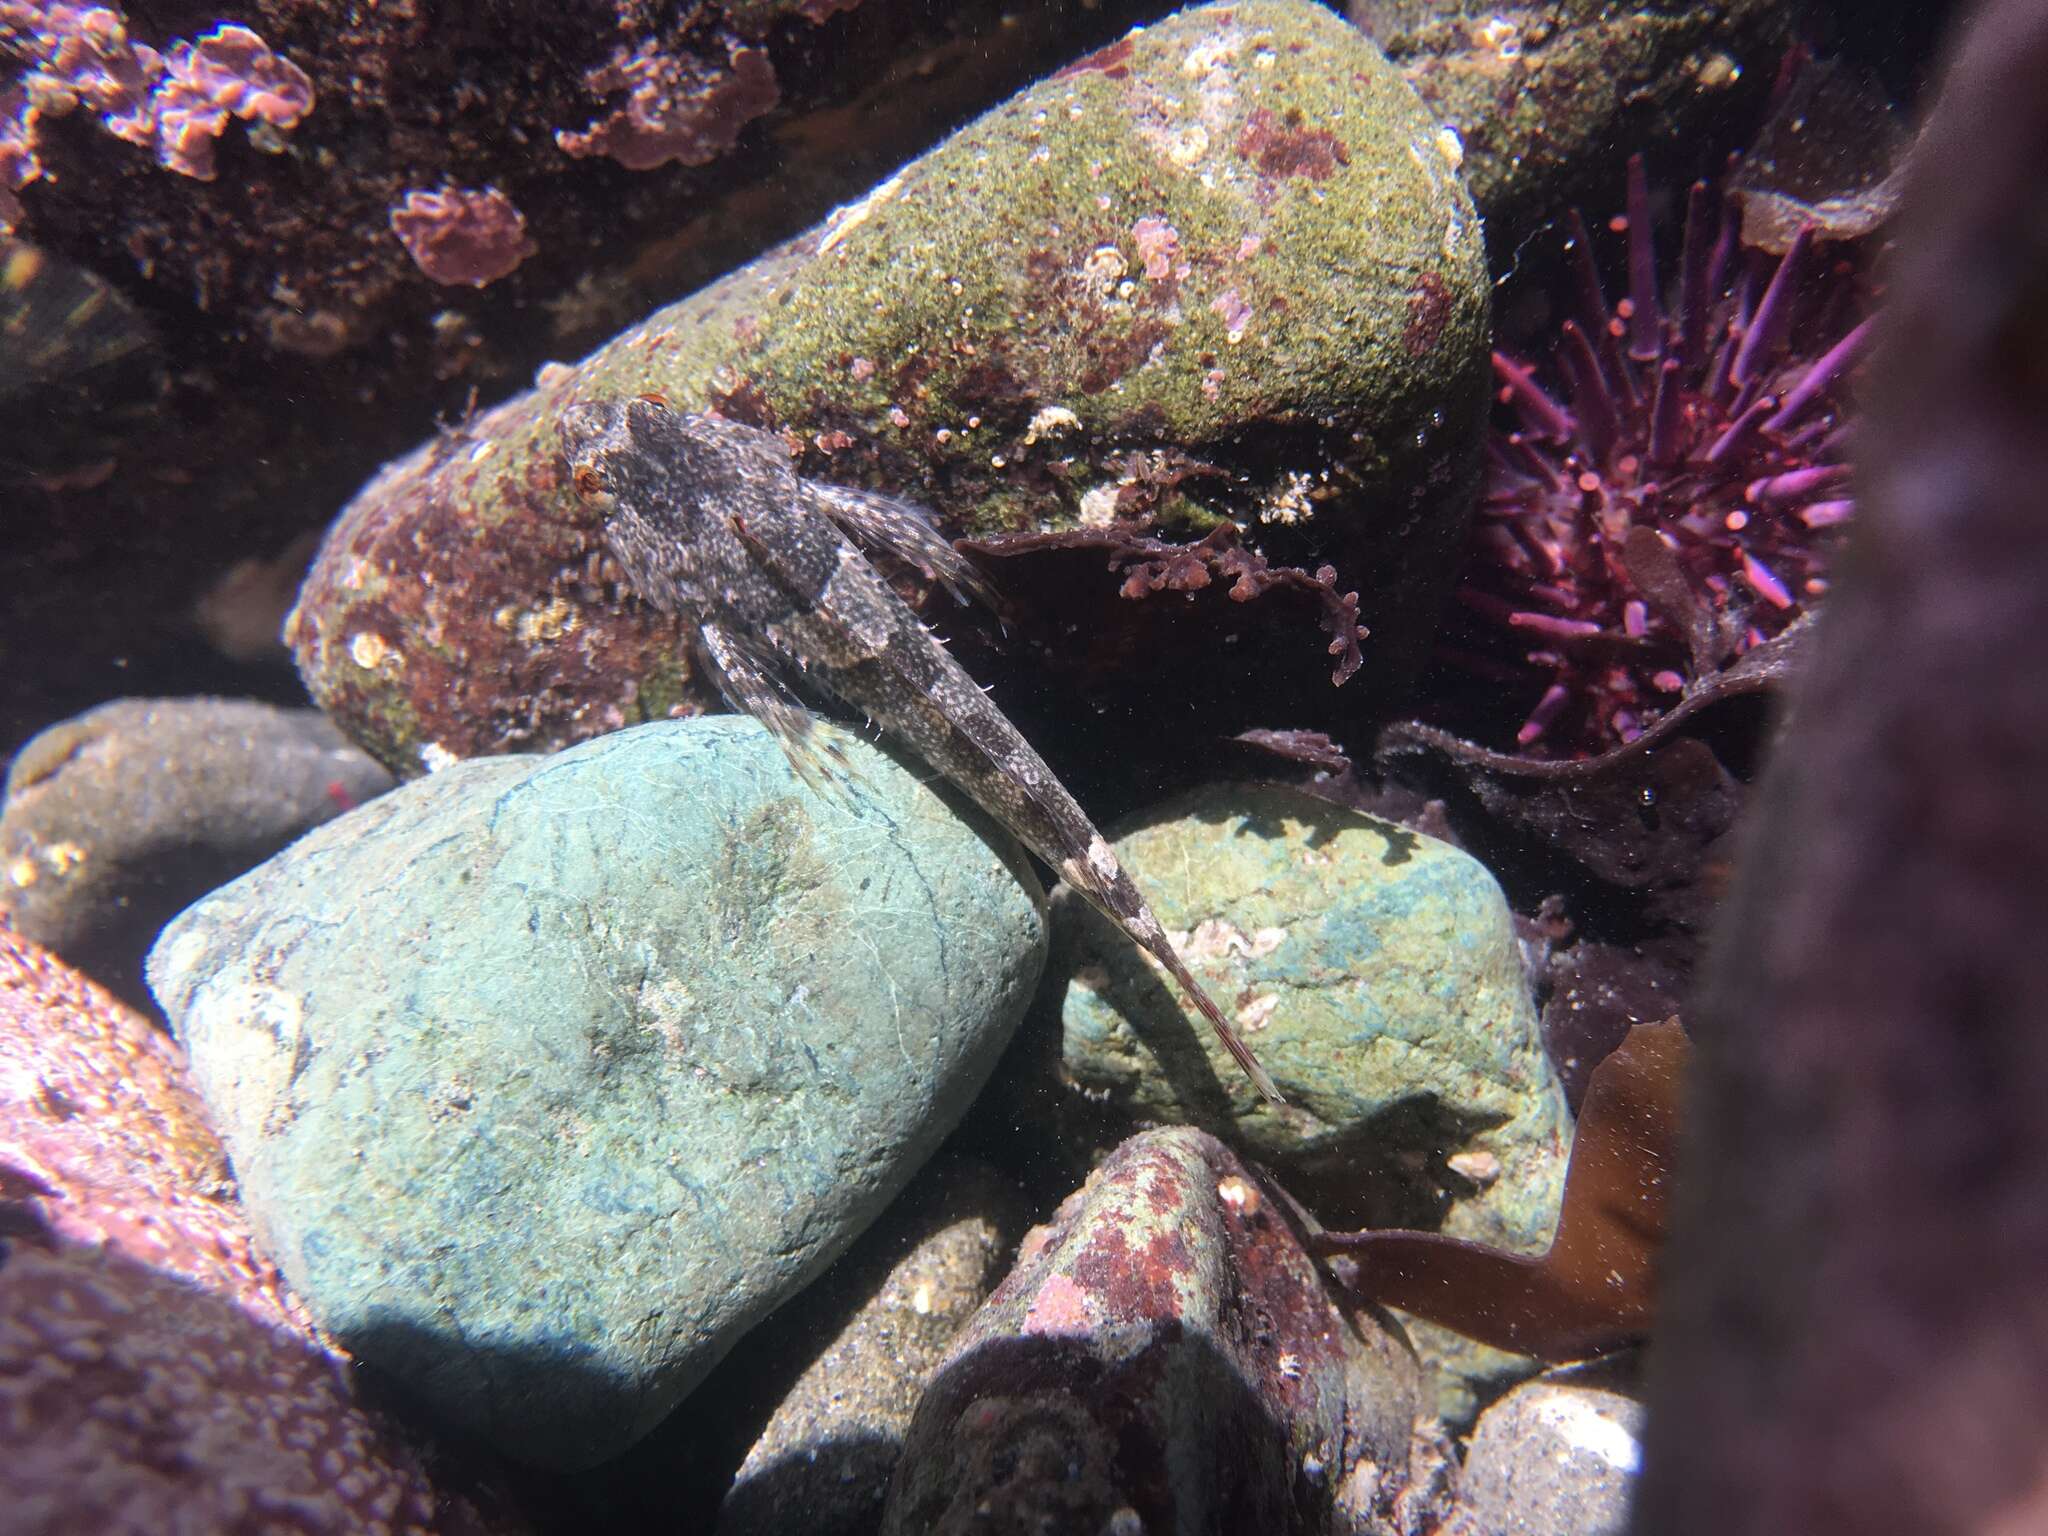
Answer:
[(1596, 1286)]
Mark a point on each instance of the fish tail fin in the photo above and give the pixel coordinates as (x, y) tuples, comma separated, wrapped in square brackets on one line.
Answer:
[(1226, 1035), (1102, 880)]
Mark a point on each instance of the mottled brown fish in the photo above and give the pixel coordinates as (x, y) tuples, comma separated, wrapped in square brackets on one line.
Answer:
[(710, 521)]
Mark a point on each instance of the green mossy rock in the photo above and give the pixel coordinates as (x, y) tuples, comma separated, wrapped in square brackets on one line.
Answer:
[(1375, 972), (1232, 242)]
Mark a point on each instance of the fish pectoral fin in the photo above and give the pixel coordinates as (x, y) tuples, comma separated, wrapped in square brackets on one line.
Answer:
[(749, 677), (905, 530)]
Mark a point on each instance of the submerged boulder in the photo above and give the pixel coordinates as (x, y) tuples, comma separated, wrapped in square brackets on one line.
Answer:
[(546, 1079), (1375, 972), (117, 819), (1220, 270)]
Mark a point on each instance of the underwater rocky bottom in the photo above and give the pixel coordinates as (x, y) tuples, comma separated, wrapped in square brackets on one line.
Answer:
[(660, 1132)]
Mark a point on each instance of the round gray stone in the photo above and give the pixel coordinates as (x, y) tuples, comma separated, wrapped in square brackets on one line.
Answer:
[(823, 1461), (119, 817), (1555, 1457), (547, 1078)]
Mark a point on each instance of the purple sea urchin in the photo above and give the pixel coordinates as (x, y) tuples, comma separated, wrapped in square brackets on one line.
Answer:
[(1677, 512)]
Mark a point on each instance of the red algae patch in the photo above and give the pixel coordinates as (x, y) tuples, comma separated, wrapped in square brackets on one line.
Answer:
[(462, 234)]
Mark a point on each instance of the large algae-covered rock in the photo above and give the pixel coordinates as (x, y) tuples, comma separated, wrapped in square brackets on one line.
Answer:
[(545, 1079), (1221, 268)]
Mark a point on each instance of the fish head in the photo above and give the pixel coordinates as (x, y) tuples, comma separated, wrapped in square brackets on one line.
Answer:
[(611, 443), (640, 453)]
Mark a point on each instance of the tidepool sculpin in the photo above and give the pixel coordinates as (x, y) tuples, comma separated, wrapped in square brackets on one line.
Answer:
[(710, 521)]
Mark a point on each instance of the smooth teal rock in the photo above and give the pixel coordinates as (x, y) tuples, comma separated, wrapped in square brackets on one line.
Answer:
[(547, 1078), (1375, 972)]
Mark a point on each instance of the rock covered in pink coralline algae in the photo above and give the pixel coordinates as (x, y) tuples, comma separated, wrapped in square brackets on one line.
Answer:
[(107, 1143), (1163, 1358), (154, 1375)]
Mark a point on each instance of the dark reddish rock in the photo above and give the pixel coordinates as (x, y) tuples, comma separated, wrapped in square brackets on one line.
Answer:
[(154, 1375), (302, 344), (1854, 1335), (134, 1403), (1163, 1358), (1225, 272), (348, 109)]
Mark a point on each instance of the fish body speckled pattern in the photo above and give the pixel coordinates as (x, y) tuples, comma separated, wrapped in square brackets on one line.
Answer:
[(710, 521)]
